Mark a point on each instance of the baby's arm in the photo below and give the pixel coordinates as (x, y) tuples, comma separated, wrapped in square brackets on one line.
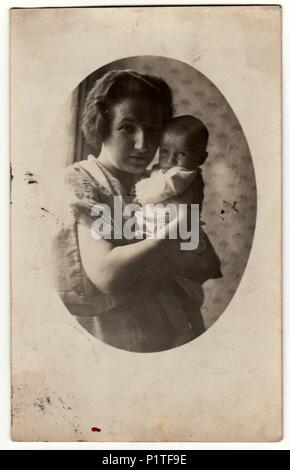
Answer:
[(163, 185), (179, 179)]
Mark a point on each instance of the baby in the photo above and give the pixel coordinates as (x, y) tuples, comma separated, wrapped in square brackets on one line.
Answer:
[(182, 150), (177, 178)]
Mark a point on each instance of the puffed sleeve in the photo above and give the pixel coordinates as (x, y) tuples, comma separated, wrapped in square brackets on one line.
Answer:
[(81, 193), (78, 195)]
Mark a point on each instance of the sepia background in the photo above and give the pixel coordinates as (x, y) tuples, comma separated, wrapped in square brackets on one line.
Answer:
[(225, 385)]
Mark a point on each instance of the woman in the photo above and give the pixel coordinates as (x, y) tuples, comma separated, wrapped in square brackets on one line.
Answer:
[(121, 291)]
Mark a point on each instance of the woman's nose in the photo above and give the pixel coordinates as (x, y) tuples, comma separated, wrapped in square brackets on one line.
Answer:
[(140, 140)]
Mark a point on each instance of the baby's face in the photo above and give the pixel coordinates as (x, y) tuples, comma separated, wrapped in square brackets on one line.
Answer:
[(177, 150)]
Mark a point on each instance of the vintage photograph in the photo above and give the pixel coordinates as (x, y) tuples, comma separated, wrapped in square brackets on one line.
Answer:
[(150, 130), (146, 224)]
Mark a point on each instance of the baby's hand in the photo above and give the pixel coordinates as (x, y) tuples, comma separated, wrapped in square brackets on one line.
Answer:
[(141, 190), (150, 190)]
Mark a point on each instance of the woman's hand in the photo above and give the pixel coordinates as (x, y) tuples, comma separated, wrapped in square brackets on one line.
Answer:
[(159, 222)]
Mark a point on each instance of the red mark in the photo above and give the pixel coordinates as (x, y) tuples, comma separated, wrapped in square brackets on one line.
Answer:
[(94, 429)]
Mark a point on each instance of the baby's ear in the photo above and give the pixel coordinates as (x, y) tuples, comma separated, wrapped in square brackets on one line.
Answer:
[(203, 158)]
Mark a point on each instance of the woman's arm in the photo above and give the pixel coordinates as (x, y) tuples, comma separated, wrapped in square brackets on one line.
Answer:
[(112, 268)]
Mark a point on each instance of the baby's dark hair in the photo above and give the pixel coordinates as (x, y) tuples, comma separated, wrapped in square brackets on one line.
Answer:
[(115, 86), (192, 124)]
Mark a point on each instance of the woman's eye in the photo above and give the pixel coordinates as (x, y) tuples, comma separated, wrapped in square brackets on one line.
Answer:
[(127, 128), (163, 152)]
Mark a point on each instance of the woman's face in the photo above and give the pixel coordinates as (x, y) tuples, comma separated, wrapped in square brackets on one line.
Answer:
[(136, 127)]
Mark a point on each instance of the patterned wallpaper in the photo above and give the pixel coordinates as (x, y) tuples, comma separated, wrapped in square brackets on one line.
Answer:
[(229, 209)]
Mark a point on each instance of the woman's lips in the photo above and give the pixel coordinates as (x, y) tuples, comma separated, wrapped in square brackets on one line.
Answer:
[(139, 158)]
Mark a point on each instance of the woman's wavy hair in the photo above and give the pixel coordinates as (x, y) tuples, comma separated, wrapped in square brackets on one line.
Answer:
[(112, 88)]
